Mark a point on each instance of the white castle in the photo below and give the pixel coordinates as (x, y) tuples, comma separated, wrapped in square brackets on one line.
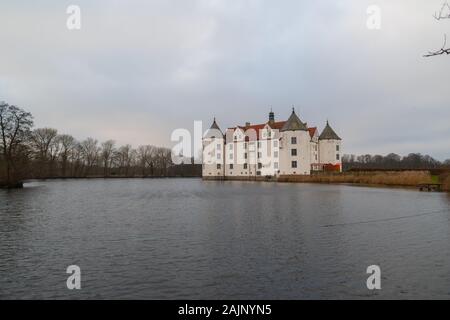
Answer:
[(270, 149)]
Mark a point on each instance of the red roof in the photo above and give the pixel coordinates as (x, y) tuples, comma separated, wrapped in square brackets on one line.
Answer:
[(312, 131), (258, 127)]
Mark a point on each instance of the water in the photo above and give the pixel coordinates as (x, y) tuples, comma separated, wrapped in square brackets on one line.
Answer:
[(191, 239)]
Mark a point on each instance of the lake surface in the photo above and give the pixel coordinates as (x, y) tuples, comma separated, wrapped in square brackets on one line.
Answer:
[(194, 239)]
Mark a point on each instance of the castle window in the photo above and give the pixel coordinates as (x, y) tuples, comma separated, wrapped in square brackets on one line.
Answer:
[(293, 152), (218, 156), (337, 156), (275, 165), (231, 146), (259, 144), (293, 140), (337, 147), (259, 165), (245, 155), (218, 166), (259, 154), (316, 156), (294, 164), (245, 145), (275, 143), (218, 147), (231, 156), (231, 166), (245, 166), (275, 154)]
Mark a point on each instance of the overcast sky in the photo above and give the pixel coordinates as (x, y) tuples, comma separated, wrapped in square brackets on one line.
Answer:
[(137, 70)]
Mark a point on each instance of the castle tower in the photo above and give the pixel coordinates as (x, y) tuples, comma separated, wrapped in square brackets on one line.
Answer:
[(330, 149), (295, 147), (213, 152)]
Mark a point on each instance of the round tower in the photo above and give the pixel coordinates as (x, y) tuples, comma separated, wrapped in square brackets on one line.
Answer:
[(213, 152), (295, 147), (330, 155)]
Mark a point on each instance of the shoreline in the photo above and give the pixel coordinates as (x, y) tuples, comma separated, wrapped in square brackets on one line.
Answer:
[(20, 185), (408, 179), (374, 179)]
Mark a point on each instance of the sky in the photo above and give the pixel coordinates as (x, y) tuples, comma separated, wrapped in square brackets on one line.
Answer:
[(137, 70)]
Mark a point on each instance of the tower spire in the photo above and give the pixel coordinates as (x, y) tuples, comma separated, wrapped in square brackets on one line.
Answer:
[(271, 116)]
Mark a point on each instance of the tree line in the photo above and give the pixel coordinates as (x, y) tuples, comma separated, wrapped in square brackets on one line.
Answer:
[(392, 161), (28, 153)]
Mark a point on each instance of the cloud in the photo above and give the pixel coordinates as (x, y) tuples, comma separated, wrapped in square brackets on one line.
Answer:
[(139, 69)]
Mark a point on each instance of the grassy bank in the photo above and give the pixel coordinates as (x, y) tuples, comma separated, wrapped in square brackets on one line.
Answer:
[(445, 180), (389, 178)]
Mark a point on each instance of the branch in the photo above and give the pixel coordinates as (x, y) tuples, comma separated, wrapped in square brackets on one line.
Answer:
[(441, 12), (443, 50)]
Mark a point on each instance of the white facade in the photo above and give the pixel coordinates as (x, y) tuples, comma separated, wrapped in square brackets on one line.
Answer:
[(330, 151), (270, 149)]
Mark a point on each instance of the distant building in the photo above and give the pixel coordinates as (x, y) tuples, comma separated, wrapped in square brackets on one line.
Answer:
[(273, 148)]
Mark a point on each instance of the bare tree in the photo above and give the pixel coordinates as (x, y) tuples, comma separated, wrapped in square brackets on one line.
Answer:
[(444, 13), (90, 152), (42, 140), (125, 157), (107, 155), (163, 159), (146, 157), (67, 144), (77, 160), (15, 127), (390, 161), (48, 154)]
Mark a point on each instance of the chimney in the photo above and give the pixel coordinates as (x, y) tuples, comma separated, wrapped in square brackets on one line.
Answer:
[(247, 124)]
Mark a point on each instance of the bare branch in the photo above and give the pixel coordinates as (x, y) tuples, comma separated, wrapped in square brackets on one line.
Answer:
[(443, 50), (442, 15)]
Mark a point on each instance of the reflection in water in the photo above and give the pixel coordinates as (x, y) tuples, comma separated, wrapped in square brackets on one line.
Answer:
[(186, 238)]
